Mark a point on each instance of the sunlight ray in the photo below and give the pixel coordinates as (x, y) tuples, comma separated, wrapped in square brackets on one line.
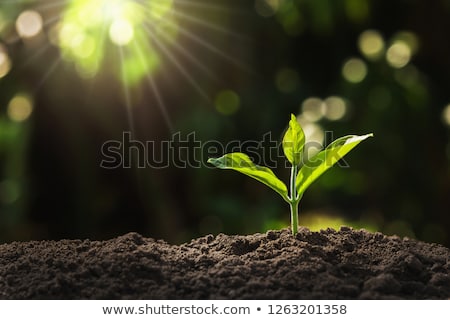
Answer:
[(36, 55), (127, 95), (52, 19), (208, 6), (189, 56), (160, 103), (125, 88), (177, 64), (51, 5), (155, 36), (154, 88), (47, 74), (215, 50), (210, 47), (206, 24)]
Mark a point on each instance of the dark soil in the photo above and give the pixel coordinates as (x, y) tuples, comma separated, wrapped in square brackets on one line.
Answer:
[(330, 264)]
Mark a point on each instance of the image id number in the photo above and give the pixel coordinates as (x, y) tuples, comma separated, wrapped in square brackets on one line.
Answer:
[(307, 309)]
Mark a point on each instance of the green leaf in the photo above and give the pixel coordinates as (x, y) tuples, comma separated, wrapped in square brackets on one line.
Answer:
[(243, 164), (293, 142), (325, 159)]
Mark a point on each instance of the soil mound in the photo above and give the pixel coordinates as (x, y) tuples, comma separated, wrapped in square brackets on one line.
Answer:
[(344, 264)]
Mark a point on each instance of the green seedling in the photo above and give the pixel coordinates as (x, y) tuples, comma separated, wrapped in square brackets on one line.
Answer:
[(303, 171)]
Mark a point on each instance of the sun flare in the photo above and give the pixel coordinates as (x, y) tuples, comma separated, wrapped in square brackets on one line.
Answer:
[(128, 41), (89, 31)]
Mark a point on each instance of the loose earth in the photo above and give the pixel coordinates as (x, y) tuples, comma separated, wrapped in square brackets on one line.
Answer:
[(344, 264)]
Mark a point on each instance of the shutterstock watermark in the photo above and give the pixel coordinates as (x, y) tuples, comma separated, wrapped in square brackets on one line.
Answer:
[(186, 151)]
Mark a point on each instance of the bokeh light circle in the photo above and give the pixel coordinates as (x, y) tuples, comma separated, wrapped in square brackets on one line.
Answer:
[(29, 24), (399, 54), (20, 108), (354, 70), (227, 102), (371, 44), (335, 108), (5, 62)]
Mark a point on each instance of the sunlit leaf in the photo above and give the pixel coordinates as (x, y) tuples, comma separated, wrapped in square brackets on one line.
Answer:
[(293, 142), (242, 163), (324, 160)]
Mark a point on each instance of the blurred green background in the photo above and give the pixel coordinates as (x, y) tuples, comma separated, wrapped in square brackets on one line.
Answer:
[(75, 74)]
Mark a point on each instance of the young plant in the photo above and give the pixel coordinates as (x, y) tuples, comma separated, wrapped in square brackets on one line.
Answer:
[(303, 171)]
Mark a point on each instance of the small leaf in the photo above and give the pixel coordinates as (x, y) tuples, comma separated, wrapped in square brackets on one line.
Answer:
[(325, 159), (243, 164), (293, 142)]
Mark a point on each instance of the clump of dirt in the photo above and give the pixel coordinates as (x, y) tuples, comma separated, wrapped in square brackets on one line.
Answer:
[(344, 264)]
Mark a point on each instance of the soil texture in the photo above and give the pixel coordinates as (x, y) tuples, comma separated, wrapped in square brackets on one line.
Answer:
[(344, 264)]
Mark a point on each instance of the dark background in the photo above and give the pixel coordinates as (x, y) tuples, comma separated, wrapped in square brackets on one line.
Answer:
[(51, 182)]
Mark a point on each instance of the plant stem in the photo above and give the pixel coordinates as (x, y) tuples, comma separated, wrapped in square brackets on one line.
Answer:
[(294, 217), (294, 200)]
